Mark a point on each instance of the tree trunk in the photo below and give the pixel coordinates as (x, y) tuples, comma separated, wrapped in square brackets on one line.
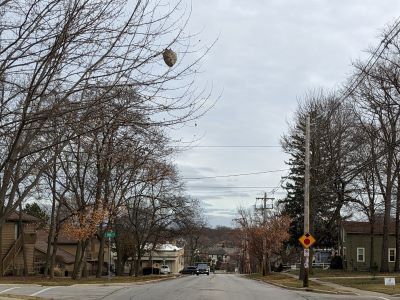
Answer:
[(132, 268), (1, 250), (49, 248), (385, 238), (53, 256), (81, 261), (21, 232), (372, 261), (119, 263), (396, 264), (24, 257), (78, 256), (137, 265), (388, 200), (50, 238), (100, 257)]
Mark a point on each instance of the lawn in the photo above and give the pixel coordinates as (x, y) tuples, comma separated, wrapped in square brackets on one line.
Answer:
[(90, 280), (370, 284), (320, 273), (289, 282)]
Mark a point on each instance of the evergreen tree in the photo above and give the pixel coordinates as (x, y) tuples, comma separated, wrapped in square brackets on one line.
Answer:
[(35, 210), (330, 153)]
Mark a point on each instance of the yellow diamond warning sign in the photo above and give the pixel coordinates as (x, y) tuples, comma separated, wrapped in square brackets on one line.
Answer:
[(307, 240)]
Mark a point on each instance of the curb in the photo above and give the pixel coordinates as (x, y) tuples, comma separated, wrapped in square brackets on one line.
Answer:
[(307, 289)]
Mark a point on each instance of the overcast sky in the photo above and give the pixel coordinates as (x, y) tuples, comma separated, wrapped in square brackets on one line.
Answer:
[(268, 54)]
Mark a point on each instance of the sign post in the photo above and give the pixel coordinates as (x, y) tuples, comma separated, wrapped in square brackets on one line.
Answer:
[(109, 235)]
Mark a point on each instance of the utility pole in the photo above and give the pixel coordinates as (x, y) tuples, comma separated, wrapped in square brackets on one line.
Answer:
[(264, 210), (307, 201)]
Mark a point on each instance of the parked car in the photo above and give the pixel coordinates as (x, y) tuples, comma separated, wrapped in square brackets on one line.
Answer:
[(188, 270), (203, 268), (164, 269)]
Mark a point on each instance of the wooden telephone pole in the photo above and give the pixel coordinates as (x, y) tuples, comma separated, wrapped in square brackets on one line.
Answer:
[(307, 201), (264, 211)]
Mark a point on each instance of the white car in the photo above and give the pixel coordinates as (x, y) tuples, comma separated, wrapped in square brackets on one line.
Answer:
[(164, 269)]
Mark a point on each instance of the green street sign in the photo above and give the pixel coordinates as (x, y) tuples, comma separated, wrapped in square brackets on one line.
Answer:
[(110, 234)]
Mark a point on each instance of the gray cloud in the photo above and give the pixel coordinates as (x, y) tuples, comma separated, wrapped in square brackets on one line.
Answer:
[(268, 54)]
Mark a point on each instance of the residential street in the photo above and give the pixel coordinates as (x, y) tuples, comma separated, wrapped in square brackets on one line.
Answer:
[(213, 287)]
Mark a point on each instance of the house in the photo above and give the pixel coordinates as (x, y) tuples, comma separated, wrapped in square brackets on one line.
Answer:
[(14, 235), (65, 256), (355, 248), (224, 258), (64, 260), (165, 254)]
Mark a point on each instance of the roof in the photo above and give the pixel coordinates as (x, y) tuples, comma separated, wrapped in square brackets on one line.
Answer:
[(42, 235), (365, 227), (167, 247), (14, 217), (61, 254), (162, 247)]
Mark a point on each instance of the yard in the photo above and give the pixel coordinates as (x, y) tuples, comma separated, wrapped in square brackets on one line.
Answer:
[(288, 281), (65, 281), (373, 284)]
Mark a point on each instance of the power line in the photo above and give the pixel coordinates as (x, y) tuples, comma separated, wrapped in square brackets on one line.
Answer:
[(372, 60), (376, 55), (232, 187), (235, 175), (228, 146)]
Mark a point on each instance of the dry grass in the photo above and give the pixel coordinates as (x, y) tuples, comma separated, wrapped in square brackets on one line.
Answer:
[(62, 281), (19, 297), (376, 284), (320, 273), (289, 282)]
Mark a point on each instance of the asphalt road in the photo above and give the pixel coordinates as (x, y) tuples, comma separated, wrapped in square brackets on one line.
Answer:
[(218, 287), (203, 287)]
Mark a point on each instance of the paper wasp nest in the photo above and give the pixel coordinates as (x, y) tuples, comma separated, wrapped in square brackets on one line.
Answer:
[(169, 57)]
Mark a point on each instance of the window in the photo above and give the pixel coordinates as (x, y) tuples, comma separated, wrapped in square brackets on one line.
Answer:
[(360, 254), (392, 254), (344, 252)]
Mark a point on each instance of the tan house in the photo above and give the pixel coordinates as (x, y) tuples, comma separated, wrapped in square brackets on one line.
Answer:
[(65, 256), (13, 237), (165, 254)]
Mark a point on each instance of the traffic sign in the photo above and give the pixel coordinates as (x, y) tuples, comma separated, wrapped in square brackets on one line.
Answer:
[(306, 262), (307, 240), (110, 234)]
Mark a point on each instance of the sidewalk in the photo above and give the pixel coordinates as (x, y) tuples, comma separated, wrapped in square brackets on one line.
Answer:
[(341, 288)]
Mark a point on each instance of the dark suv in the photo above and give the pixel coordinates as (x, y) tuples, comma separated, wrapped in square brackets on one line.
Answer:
[(188, 270), (202, 269)]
